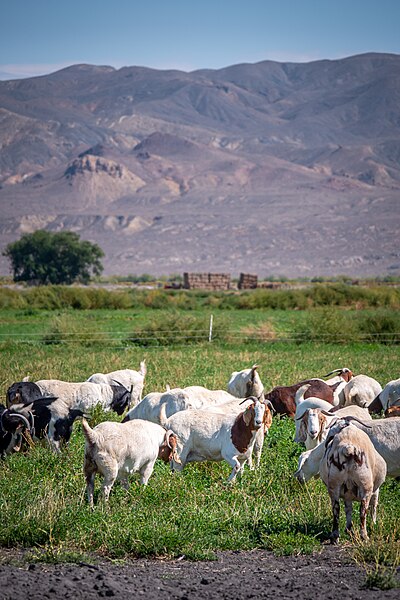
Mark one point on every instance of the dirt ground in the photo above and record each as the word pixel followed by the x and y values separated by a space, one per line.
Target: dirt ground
pixel 330 574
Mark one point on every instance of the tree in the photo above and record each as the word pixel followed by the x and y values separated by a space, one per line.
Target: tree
pixel 46 258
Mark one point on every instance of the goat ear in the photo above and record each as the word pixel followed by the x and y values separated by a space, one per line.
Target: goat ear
pixel 302 436
pixel 253 372
pixel 247 415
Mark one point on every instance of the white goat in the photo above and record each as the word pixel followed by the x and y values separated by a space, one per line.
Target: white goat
pixel 115 450
pixel 175 400
pixel 383 433
pixel 85 395
pixel 353 470
pixel 315 422
pixel 205 435
pixel 361 390
pixel 243 384
pixel 304 405
pixel 129 378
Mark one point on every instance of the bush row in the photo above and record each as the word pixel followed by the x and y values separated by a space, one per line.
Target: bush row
pixel 338 294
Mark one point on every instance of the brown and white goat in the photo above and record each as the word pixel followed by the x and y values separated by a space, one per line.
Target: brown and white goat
pixel 282 398
pixel 204 435
pixel 352 470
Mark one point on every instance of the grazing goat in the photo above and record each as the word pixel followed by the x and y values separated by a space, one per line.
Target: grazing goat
pixel 243 384
pixel 204 435
pixel 115 450
pixel 12 426
pixel 129 378
pixel 22 392
pixel 384 399
pixel 361 390
pixel 52 419
pixel 175 400
pixel 282 398
pixel 383 433
pixel 352 470
pixel 70 400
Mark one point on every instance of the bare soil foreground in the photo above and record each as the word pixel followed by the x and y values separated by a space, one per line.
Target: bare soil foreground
pixel 330 574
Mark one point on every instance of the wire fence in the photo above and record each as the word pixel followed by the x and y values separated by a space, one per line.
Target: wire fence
pixel 168 337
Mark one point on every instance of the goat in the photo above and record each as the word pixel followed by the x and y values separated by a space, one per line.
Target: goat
pixel 344 375
pixel 282 398
pixel 383 433
pixel 129 378
pixel 243 384
pixel 204 435
pixel 12 427
pixel 313 418
pixel 117 449
pixel 51 419
pixel 384 399
pixel 352 470
pixel 361 390
pixel 235 407
pixel 22 391
pixel 193 397
pixel 75 399
pixel 85 395
pixel 305 411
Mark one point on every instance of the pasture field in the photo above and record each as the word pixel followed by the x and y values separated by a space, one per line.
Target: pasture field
pixel 42 496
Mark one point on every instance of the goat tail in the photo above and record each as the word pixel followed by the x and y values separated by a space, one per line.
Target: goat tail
pixel 143 368
pixel 88 432
pixel 350 451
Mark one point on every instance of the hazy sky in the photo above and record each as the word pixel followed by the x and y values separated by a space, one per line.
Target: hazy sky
pixel 39 36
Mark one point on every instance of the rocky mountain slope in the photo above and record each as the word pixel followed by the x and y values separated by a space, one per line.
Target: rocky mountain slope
pixel 272 168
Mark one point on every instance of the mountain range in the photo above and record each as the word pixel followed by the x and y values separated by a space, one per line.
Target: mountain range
pixel 268 168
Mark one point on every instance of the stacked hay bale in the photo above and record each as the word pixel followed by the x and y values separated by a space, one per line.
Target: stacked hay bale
pixel 247 281
pixel 206 281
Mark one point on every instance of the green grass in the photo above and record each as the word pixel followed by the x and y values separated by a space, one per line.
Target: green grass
pixel 194 513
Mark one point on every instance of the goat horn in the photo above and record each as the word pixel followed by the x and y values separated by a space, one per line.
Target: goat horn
pixel 269 404
pixel 19 416
pixel 121 384
pixel 167 434
pixel 334 371
pixel 300 418
pixel 351 418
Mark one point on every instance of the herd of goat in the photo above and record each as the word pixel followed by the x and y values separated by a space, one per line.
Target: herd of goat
pixel 350 451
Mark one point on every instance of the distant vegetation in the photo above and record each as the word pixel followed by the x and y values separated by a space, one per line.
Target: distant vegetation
pixel 316 295
pixel 322 312
pixel 45 258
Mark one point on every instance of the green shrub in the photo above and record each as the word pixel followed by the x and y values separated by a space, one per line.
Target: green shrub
pixel 381 328
pixel 327 325
pixel 11 298
pixel 63 329
pixel 176 328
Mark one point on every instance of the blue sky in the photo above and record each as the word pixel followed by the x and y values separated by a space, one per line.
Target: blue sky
pixel 40 36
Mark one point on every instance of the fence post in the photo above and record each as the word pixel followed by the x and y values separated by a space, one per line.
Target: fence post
pixel 210 331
